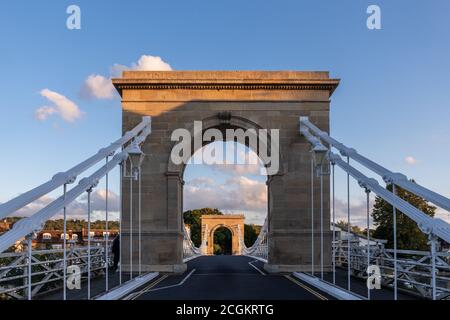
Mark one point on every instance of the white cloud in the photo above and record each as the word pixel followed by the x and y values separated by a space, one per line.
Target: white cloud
pixel 98 200
pixel 232 159
pixel 442 214
pixel 62 106
pixel 410 160
pixel 358 211
pixel 201 181
pixel 240 169
pixel 78 208
pixel 237 193
pixel 145 63
pixel 100 87
pixel 43 113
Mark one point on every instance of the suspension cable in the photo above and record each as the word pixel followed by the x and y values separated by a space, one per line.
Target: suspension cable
pixel 107 230
pixel 321 225
pixel 65 246
pixel 131 220
pixel 70 175
pixel 140 221
pixel 334 226
pixel 30 270
pixel 89 244
pixel 368 236
pixel 433 241
pixel 312 216
pixel 394 209
pixel 122 165
pixel 348 231
pixel 387 175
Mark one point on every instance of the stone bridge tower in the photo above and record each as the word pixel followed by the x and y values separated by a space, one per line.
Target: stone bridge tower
pixel 233 222
pixel 250 100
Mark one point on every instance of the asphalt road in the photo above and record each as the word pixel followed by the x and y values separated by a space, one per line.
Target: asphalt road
pixel 224 278
pixel 227 278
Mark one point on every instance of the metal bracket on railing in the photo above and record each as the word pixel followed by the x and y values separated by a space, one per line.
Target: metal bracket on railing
pixel 394 178
pixel 64 177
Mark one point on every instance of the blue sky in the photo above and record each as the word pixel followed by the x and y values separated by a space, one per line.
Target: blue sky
pixel 393 101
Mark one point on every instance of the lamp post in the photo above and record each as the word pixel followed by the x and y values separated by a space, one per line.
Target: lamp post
pixel 136 157
pixel 321 165
pixel 320 159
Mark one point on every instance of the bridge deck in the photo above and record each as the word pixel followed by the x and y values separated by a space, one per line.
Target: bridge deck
pixel 225 278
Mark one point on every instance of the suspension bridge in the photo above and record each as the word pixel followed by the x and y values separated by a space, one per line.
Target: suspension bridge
pixel 300 253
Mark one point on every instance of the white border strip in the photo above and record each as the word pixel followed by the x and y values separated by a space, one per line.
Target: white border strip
pixel 128 286
pixel 192 258
pixel 330 289
pixel 257 258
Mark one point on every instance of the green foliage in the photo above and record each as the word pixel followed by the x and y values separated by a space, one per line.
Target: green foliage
pixel 72 224
pixel 409 235
pixel 222 241
pixel 343 225
pixel 193 219
pixel 77 225
pixel 251 233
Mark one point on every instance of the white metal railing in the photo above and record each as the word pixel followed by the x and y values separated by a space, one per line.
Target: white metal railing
pixel 415 268
pixel 189 249
pixel 36 222
pixel 119 151
pixel 70 175
pixel 322 156
pixel 259 249
pixel 47 269
pixel 387 175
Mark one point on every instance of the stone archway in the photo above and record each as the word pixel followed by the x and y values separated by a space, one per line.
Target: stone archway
pixel 234 223
pixel 260 99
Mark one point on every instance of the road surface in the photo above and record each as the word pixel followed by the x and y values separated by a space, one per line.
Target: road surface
pixel 227 278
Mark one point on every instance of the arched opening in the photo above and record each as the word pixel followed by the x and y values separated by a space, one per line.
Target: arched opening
pixel 237 186
pixel 222 241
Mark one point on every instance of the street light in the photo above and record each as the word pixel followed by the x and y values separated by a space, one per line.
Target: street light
pixel 320 158
pixel 136 157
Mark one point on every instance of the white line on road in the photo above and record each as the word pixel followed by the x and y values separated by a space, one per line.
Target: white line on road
pixel 135 295
pixel 256 268
pixel 174 285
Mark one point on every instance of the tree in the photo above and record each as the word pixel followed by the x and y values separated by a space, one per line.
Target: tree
pixel 409 235
pixel 343 225
pixel 77 225
pixel 222 241
pixel 193 219
pixel 251 233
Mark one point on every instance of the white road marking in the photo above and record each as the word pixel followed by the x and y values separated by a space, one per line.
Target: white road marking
pixel 174 285
pixel 135 295
pixel 256 268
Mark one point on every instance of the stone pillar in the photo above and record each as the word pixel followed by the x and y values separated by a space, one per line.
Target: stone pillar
pixel 250 99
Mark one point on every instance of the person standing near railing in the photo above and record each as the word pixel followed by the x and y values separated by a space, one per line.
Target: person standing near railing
pixel 116 252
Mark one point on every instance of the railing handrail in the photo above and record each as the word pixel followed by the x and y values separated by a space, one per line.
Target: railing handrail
pixel 427 224
pixel 411 266
pixel 50 268
pixel 28 226
pixel 387 175
pixel 70 175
